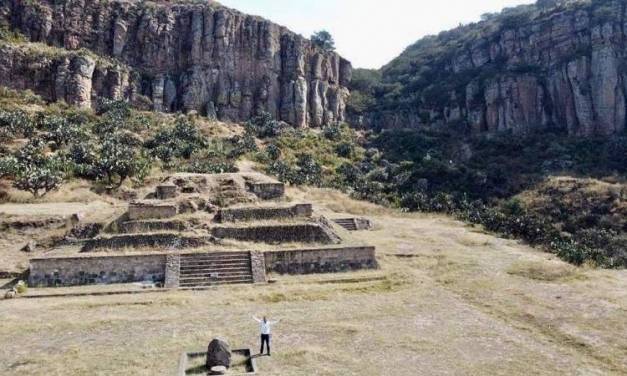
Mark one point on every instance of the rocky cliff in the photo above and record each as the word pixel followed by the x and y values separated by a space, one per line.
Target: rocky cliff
pixel 560 66
pixel 184 56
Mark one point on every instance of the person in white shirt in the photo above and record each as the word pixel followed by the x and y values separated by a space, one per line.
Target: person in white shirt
pixel 265 327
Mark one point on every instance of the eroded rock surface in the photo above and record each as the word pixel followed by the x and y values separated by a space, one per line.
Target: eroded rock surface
pixel 173 56
pixel 562 69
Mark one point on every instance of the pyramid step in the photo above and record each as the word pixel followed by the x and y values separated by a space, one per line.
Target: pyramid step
pixel 208 279
pixel 215 263
pixel 200 273
pixel 211 284
pixel 210 269
pixel 214 256
pixel 241 257
pixel 216 277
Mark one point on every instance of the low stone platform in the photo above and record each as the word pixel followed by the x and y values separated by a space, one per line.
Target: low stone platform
pixel 310 232
pixel 156 240
pixel 234 187
pixel 247 214
pixel 321 260
pixel 151 209
pixel 201 269
pixel 134 227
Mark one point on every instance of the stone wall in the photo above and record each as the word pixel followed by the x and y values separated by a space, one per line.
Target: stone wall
pixel 258 266
pixel 304 232
pixel 151 210
pixel 264 213
pixel 329 260
pixel 267 191
pixel 172 270
pixel 49 272
pixel 163 240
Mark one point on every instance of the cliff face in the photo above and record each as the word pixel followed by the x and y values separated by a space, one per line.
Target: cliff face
pixel 189 57
pixel 563 68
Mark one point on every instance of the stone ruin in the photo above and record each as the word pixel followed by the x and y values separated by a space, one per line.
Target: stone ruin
pixel 199 230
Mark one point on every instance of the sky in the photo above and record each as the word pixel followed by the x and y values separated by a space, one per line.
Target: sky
pixel 370 33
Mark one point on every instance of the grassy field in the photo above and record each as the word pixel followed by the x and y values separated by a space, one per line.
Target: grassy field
pixel 449 299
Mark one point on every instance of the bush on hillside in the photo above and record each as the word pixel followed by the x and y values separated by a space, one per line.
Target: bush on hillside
pixel 120 158
pixel 181 141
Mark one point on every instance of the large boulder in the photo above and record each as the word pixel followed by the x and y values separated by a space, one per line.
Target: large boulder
pixel 218 354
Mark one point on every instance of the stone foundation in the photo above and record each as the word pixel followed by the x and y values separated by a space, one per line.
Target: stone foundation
pixel 151 210
pixel 166 191
pixel 150 226
pixel 264 213
pixel 50 272
pixel 304 233
pixel 331 260
pixel 166 267
pixel 267 191
pixel 173 241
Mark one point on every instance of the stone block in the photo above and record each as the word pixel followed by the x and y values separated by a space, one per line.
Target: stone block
pixel 267 191
pixel 166 191
pixel 284 233
pixel 324 260
pixel 151 210
pixel 258 266
pixel 75 271
pixel 172 270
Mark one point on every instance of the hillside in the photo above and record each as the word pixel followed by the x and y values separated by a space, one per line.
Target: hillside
pixel 553 66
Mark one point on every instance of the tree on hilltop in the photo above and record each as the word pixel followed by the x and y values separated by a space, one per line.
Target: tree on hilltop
pixel 324 40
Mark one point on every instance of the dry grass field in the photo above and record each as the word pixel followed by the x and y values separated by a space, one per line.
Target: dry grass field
pixel 449 299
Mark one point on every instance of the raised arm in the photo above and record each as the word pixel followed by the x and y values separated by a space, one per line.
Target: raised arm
pixel 275 322
pixel 256 319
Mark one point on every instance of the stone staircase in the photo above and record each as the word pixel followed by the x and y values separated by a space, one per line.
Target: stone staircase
pixel 212 269
pixel 354 224
pixel 347 223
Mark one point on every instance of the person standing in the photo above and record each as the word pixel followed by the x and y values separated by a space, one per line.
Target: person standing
pixel 265 327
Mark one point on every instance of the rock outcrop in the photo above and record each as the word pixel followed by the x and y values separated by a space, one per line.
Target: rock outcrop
pixel 563 68
pixel 194 56
pixel 218 354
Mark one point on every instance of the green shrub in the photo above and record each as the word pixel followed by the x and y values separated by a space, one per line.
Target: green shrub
pixel 264 126
pixel 345 149
pixel 120 158
pixel 273 152
pixel 181 141
pixel 61 131
pixel 15 124
pixel 9 166
pixel 332 132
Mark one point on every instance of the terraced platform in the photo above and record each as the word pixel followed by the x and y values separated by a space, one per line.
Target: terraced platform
pixel 180 237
